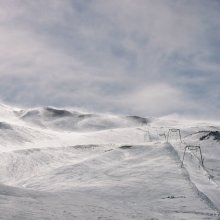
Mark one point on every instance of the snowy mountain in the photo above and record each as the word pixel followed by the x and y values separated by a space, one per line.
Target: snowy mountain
pixel 70 120
pixel 68 164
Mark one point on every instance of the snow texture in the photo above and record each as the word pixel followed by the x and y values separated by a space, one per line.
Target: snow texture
pixel 63 164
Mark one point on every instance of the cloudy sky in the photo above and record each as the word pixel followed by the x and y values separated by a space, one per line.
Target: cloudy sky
pixel 144 57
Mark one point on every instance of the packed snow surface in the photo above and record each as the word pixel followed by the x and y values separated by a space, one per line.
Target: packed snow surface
pixel 64 164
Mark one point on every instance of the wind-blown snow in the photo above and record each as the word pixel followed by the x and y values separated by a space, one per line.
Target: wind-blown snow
pixel 67 164
pixel 60 119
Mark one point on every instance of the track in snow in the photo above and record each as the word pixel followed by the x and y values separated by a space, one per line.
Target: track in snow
pixel 134 182
pixel 100 178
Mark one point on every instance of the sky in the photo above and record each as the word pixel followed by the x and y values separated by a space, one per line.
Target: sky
pixel 143 57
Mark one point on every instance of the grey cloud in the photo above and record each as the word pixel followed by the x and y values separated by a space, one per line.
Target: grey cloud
pixel 105 55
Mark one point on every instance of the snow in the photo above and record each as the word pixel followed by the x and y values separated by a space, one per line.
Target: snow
pixel 66 164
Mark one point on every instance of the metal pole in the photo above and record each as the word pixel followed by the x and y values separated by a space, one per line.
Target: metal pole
pixel 183 156
pixel 180 136
pixel 201 156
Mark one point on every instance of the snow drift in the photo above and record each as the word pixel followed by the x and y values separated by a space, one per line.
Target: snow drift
pixel 66 164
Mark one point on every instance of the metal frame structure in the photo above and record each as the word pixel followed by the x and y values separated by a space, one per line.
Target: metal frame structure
pixel 147 135
pixel 163 135
pixel 176 131
pixel 193 148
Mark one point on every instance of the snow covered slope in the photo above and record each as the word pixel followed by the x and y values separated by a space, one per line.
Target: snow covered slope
pixel 70 120
pixel 67 164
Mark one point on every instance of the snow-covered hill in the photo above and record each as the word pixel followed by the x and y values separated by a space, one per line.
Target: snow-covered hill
pixel 68 164
pixel 70 120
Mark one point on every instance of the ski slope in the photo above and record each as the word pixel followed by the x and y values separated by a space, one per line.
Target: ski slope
pixel 68 164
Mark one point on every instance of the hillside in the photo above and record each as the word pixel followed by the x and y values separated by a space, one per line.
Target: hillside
pixel 68 164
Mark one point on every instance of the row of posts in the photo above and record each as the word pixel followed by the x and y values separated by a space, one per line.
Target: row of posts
pixel 167 136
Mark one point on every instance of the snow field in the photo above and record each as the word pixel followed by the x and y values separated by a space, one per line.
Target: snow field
pixel 65 164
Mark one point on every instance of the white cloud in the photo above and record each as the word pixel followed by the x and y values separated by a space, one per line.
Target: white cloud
pixel 157 99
